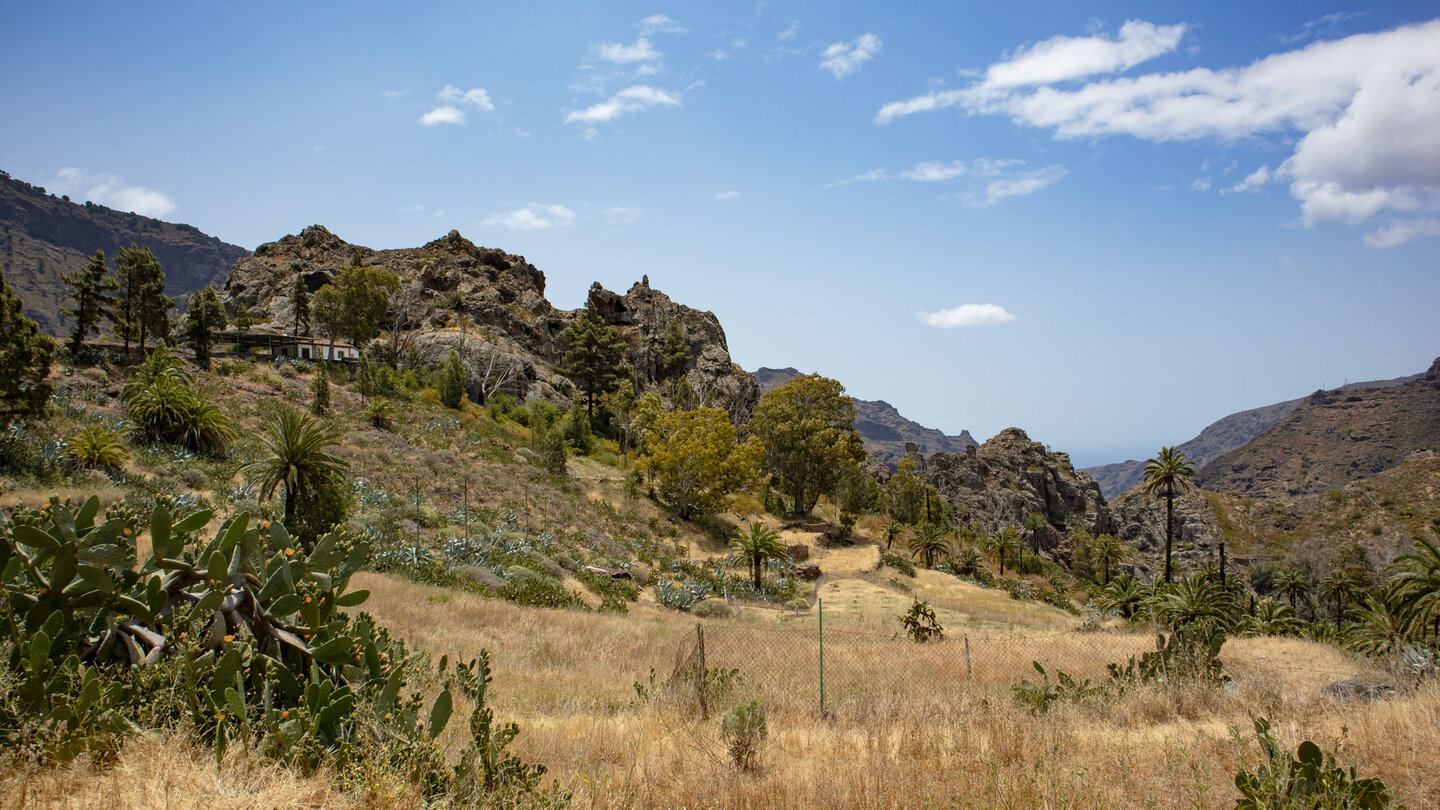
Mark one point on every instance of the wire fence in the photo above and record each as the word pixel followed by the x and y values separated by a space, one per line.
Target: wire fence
pixel 826 671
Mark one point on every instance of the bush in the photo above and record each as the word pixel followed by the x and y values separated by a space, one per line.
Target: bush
pixel 897 562
pixel 711 609
pixel 1311 779
pixel 920 624
pixel 744 730
pixel 539 591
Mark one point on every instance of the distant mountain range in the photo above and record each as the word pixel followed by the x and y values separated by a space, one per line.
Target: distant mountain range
pixel 882 428
pixel 1222 436
pixel 42 236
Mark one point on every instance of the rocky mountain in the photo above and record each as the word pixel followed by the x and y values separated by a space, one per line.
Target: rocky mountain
pixel 1332 439
pixel 43 236
pixel 490 307
pixel 884 431
pixel 1220 437
pixel 1009 477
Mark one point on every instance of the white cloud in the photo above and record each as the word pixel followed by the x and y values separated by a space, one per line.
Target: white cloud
pixel 533 217
pixel 1365 108
pixel 622 54
pixel 443 115
pixel 1021 184
pixel 844 58
pixel 112 191
pixel 1252 181
pixel 1402 231
pixel 1200 184
pixel 631 99
pixel 932 172
pixel 1063 58
pixel 728 196
pixel 790 31
pixel 967 315
pixel 659 23
pixel 476 97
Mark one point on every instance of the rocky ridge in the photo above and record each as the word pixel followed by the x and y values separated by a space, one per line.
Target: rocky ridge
pixel 490 307
pixel 43 236
pixel 883 429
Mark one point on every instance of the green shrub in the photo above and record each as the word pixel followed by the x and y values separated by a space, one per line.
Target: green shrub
pixel 744 730
pixel 711 609
pixel 97 446
pixel 540 591
pixel 1311 779
pixel 897 562
pixel 920 624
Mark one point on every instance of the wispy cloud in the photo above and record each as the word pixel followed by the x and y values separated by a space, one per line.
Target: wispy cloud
pixel 631 99
pixel 621 54
pixel 844 58
pixel 111 190
pixel 1020 184
pixel 443 115
pixel 728 196
pixel 533 217
pixel 1364 107
pixel 620 214
pixel 934 172
pixel 1252 182
pixel 967 315
pixel 790 31
pixel 983 181
pixel 393 93
pixel 451 111
pixel 659 24
pixel 1401 231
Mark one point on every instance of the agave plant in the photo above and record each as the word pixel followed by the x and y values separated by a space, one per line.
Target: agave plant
pixel 97 446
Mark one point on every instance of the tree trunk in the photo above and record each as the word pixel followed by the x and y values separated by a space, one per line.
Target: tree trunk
pixel 1169 526
pixel 755 568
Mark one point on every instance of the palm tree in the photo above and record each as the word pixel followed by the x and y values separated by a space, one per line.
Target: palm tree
pixel 1272 618
pixel 929 541
pixel 1124 596
pixel 1381 626
pixel 1196 598
pixel 758 545
pixel 1417 578
pixel 296 457
pixel 966 562
pixel 1164 473
pixel 1035 523
pixel 1340 585
pixel 1002 541
pixel 1107 551
pixel 1292 584
pixel 892 530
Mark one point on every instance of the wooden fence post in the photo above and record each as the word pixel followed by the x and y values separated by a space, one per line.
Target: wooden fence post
pixel 700 670
pixel 969 681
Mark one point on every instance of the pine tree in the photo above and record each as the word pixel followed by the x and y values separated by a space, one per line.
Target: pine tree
pixel 25 357
pixel 204 317
pixel 452 382
pixel 674 352
pixel 89 289
pixel 300 303
pixel 595 357
pixel 321 390
pixel 143 307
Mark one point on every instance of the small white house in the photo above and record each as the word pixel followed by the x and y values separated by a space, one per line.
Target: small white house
pixel 316 349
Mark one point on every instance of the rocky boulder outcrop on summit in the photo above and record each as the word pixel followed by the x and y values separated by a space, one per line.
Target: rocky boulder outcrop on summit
pixel 490 307
pixel 1009 477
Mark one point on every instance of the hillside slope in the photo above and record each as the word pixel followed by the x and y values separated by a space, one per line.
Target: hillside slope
pixel 883 429
pixel 43 236
pixel 1219 437
pixel 1332 439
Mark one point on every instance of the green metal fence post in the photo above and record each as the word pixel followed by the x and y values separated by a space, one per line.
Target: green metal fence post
pixel 820 610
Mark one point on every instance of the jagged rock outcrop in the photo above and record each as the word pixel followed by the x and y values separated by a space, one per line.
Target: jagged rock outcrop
pixel 1141 519
pixel 1332 439
pixel 882 428
pixel 43 236
pixel 1009 477
pixel 490 307
pixel 643 316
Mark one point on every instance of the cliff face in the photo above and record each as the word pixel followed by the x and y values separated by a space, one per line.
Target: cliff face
pixel 1010 477
pixel 883 429
pixel 490 307
pixel 43 236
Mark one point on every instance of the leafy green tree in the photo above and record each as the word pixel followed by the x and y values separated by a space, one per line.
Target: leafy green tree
pixel 353 305
pixel 595 356
pixel 806 428
pixel 622 410
pixel 297 457
pixel 575 427
pixel 452 382
pixel 144 308
pixel 89 289
pixel 320 390
pixel 756 546
pixel 300 305
pixel 1165 473
pixel 929 541
pixel 907 493
pixel 203 319
pixel 1106 552
pixel 695 459
pixel 25 360
pixel 673 355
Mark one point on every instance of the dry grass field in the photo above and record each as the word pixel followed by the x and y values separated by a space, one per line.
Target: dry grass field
pixel 905 725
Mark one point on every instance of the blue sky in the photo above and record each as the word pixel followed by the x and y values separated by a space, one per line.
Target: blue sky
pixel 1106 223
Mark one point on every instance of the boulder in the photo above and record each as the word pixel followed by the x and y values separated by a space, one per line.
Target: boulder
pixel 808 571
